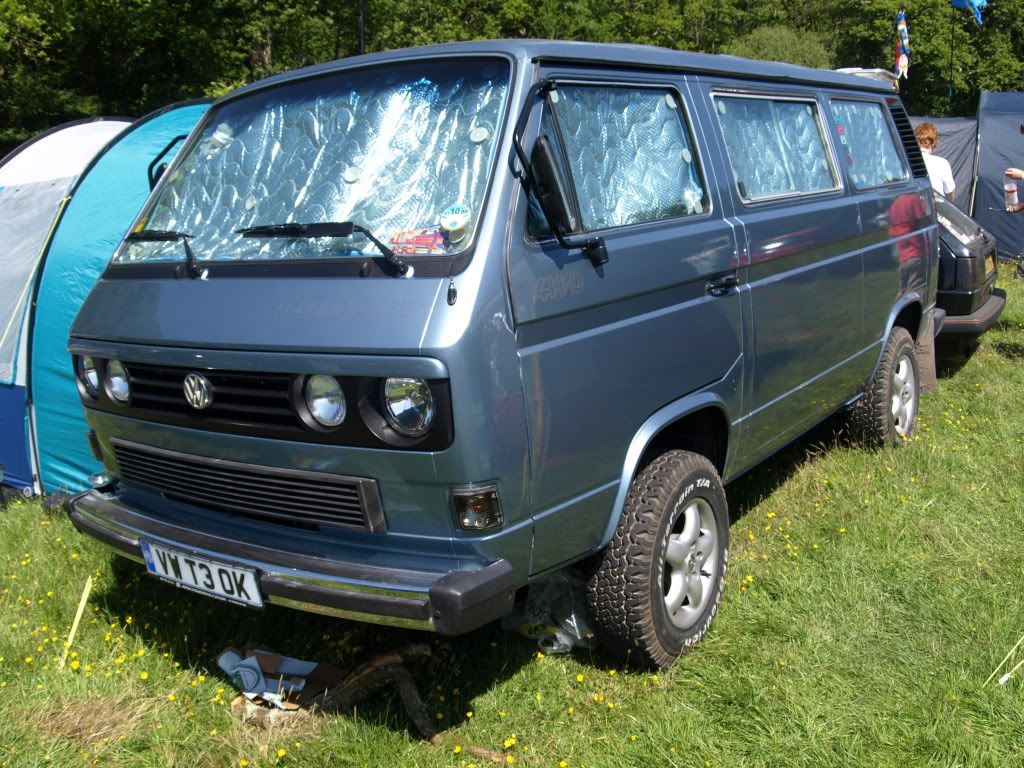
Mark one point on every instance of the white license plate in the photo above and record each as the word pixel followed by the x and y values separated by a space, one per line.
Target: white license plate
pixel 236 585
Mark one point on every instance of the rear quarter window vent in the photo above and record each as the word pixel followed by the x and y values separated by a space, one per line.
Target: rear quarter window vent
pixel 906 131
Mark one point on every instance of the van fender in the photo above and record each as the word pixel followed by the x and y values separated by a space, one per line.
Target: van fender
pixel 902 303
pixel 654 424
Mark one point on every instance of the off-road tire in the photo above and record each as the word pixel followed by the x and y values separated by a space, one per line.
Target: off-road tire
pixel 871 417
pixel 625 591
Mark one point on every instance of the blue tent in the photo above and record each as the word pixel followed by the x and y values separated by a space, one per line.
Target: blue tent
pixel 1001 146
pixel 35 180
pixel 103 205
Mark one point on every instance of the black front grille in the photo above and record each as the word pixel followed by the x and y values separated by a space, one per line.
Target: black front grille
pixel 238 396
pixel 290 497
pixel 270 405
pixel 906 131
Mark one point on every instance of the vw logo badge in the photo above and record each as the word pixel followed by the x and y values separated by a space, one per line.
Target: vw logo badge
pixel 198 391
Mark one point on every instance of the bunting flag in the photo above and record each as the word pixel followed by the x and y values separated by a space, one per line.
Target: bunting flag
pixel 901 48
pixel 974 6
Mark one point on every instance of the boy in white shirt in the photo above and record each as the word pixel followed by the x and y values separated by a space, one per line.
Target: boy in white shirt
pixel 939 172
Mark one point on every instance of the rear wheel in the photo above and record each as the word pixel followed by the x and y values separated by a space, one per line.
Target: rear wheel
pixel 887 413
pixel 658 583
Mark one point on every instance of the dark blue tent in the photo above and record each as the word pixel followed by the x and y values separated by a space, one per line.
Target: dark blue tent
pixel 1001 142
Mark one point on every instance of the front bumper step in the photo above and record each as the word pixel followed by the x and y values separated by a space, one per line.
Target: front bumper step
pixel 450 604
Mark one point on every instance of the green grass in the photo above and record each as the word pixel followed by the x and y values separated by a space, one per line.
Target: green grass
pixel 869 597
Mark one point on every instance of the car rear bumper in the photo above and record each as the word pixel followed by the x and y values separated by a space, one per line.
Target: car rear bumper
pixel 449 604
pixel 978 321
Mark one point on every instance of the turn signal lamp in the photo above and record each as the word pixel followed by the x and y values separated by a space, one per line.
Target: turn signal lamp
pixel 477 508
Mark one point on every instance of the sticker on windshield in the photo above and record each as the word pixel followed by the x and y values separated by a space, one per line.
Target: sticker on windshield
pixel 455 222
pixel 419 242
pixel 479 134
pixel 220 138
pixel 351 175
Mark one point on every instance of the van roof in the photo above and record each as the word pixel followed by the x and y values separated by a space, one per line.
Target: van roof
pixel 560 51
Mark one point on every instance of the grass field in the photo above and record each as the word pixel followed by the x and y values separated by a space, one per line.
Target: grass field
pixel 869 597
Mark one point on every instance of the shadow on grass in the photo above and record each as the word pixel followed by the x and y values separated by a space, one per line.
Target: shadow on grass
pixel 1011 350
pixel 195 629
pixel 759 483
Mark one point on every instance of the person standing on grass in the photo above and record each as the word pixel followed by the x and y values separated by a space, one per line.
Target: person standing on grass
pixel 939 172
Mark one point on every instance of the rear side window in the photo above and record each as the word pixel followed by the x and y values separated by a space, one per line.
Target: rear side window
pixel 628 152
pixel 776 146
pixel 868 144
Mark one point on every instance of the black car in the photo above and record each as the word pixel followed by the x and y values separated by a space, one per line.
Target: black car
pixel 967 279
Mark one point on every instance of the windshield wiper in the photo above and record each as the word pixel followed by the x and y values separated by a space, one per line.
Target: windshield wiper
pixel 324 229
pixel 169 236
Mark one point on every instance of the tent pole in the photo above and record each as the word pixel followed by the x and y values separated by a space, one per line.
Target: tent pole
pixel 952 30
pixel 977 160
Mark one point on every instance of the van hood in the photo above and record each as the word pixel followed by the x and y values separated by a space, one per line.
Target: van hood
pixel 307 314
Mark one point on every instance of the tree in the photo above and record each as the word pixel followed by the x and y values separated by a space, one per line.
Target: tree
pixel 779 43
pixel 35 95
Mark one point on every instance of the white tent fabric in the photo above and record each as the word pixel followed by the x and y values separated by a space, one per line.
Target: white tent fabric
pixel 34 180
pixel 60 153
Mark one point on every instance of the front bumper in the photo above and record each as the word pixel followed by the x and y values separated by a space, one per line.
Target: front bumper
pixel 978 321
pixel 450 604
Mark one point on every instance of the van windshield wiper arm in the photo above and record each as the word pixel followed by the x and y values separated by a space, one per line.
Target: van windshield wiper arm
pixel 324 229
pixel 169 236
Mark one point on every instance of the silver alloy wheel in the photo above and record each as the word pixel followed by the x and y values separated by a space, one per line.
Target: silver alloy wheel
pixel 904 396
pixel 691 560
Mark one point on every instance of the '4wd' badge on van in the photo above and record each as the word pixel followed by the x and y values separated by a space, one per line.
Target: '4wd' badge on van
pixel 198 391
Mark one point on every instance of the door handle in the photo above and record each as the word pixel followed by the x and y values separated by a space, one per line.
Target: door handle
pixel 723 284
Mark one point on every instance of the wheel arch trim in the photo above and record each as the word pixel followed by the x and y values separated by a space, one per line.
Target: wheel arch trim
pixel 645 435
pixel 901 304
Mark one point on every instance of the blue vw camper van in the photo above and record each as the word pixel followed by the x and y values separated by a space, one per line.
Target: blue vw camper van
pixel 396 336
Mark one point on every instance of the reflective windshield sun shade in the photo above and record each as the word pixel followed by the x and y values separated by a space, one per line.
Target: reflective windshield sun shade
pixel 404 150
pixel 630 155
pixel 867 143
pixel 775 146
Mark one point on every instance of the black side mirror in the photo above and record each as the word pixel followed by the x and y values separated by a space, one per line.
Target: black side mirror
pixel 541 175
pixel 157 173
pixel 156 168
pixel 550 187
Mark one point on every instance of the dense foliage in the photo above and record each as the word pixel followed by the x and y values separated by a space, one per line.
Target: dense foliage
pixel 61 59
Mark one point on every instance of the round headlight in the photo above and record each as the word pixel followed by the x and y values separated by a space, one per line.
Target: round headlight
pixel 89 376
pixel 117 382
pixel 408 406
pixel 325 400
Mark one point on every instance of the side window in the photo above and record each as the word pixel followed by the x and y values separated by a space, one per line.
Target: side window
pixel 628 152
pixel 776 146
pixel 867 143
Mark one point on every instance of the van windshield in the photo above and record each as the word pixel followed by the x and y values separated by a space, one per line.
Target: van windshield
pixel 403 150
